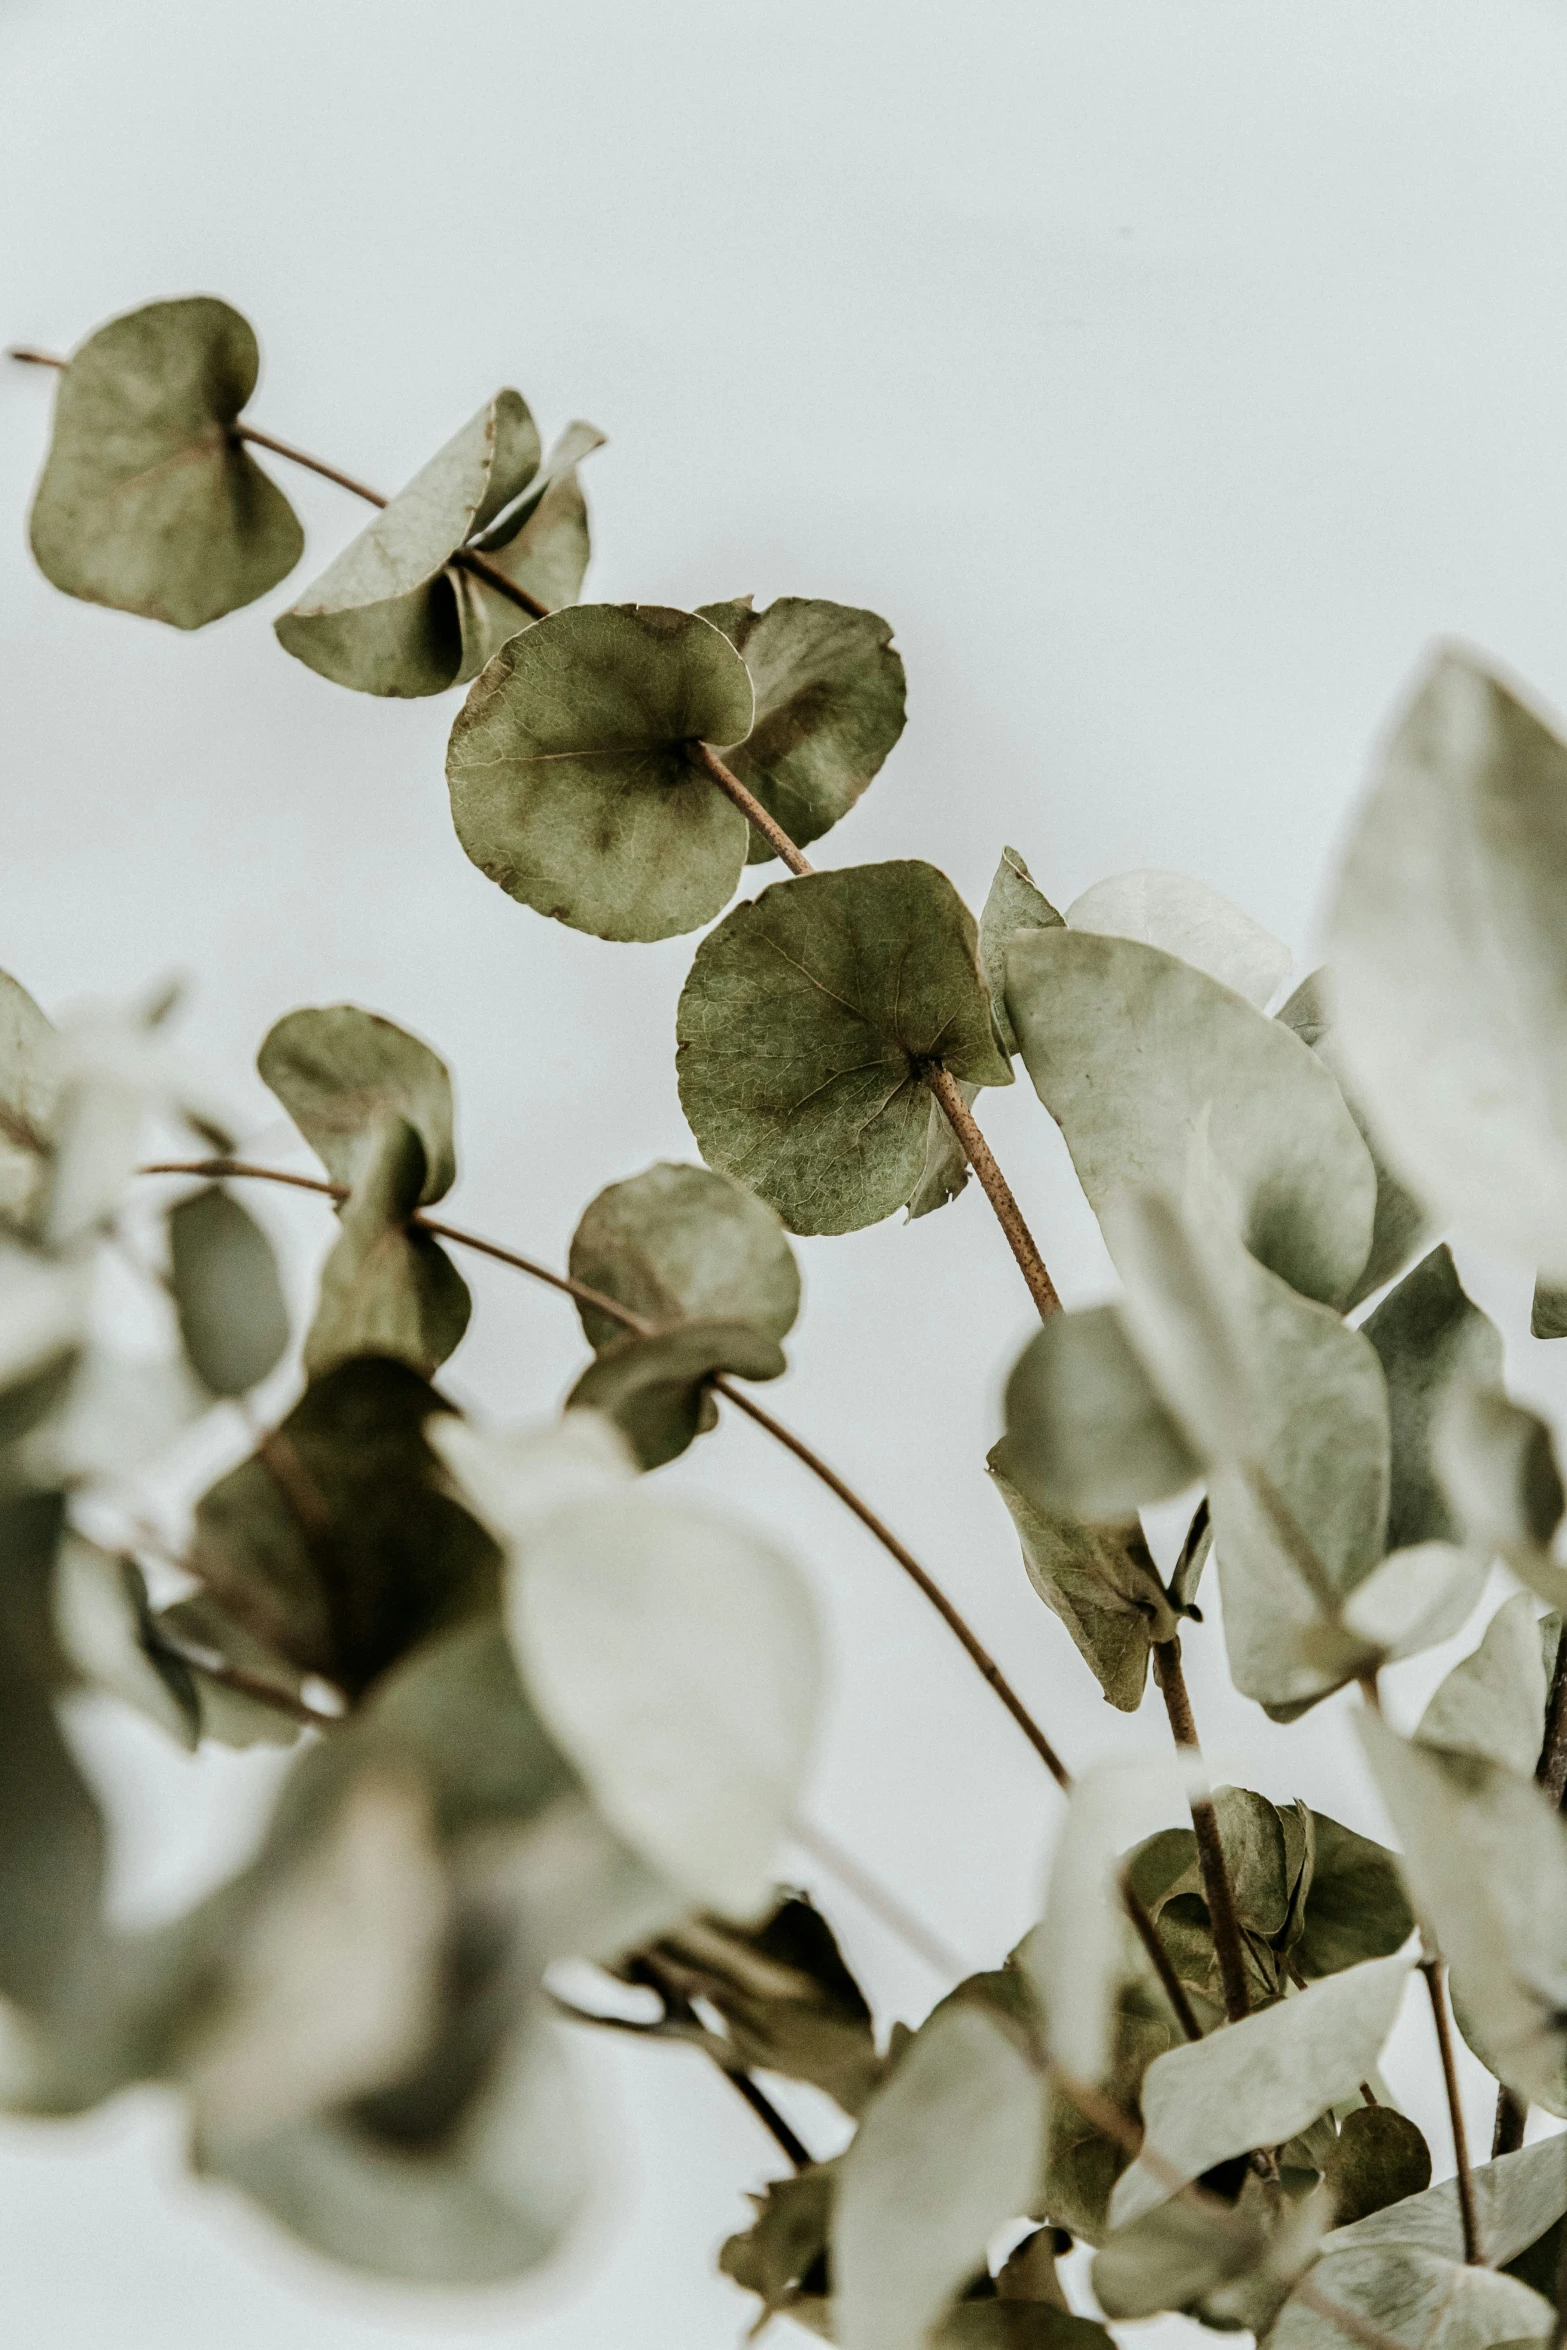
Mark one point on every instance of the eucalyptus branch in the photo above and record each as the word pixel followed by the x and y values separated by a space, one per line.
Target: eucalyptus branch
pixel 1217 1888
pixel 704 756
pixel 997 1190
pixel 1432 1970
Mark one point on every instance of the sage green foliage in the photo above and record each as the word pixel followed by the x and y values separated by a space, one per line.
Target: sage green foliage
pixel 1548 1311
pixel 805 1026
pixel 227 1294
pixel 1087 1430
pixel 339 1072
pixel 387 1288
pixel 29 1091
pixel 1492 1703
pixel 681 1242
pixel 541 543
pixel 1428 1336
pixel 829 708
pixel 655 1388
pixel 571 776
pixel 148 502
pixel 1379 2157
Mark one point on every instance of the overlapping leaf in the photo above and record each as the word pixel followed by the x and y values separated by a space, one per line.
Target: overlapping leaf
pixel 1100 1581
pixel 1492 1703
pixel 679 1243
pixel 388 1289
pixel 1188 919
pixel 656 1388
pixel 339 1071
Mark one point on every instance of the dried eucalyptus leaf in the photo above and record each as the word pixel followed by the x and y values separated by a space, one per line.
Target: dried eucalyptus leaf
pixel 336 1543
pixel 1088 1434
pixel 571 778
pixel 1548 1311
pixel 1428 1336
pixel 227 1293
pixel 542 544
pixel 1015 903
pixel 1412 1600
pixel 1485 1856
pixel 387 1288
pixel 1099 1580
pixel 804 1028
pixel 338 1071
pixel 29 1096
pixel 1412 2297
pixel 1517 2198
pixel 516 1479
pixel 1188 919
pixel 1450 968
pixel 1356 1907
pixel 782 2255
pixel 945 1171
pixel 1258 2082
pixel 656 1389
pixel 681 1242
pixel 1170 2256
pixel 1129 1048
pixel 676 1658
pixel 384 617
pixel 946 2152
pixel 148 502
pixel 1379 2157
pixel 829 708
pixel 106 1629
pixel 1497 1468
pixel 1493 1703
pixel 1186 1323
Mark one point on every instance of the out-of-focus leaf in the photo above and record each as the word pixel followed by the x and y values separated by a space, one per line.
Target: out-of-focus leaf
pixel 1410 1601
pixel 682 1243
pixel 1129 1048
pixel 805 1026
pixel 1401 1223
pixel 1188 919
pixel 1548 1311
pixel 516 1479
pixel 947 2151
pixel 148 502
pixel 336 1543
pixel 1485 1855
pixel 1493 1702
pixel 1168 2257
pixel 1497 1468
pixel 1450 961
pixel 571 777
pixel 1088 1433
pixel 1428 1336
pixel 198 1631
pixel 1379 2157
pixel 1258 2082
pixel 29 1093
pixel 829 708
pixel 1099 1580
pixel 1412 2297
pixel 387 1288
pixel 782 2255
pixel 339 1072
pixel 1185 1319
pixel 1015 903
pixel 226 1291
pixel 656 1389
pixel 385 617
pixel 106 1628
pixel 1517 2198
pixel 676 1658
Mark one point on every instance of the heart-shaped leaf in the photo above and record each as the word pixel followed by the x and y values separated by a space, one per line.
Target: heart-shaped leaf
pixel 338 1071
pixel 805 1025
pixel 571 777
pixel 148 501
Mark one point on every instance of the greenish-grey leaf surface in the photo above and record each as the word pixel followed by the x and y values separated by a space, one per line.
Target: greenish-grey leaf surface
pixel 1516 2199
pixel 1015 902
pixel 677 1243
pixel 542 544
pixel 1548 1311
pixel 1496 1464
pixel 1415 2298
pixel 1492 1703
pixel 1378 2157
pixel 227 1293
pixel 337 1070
pixel 946 2152
pixel 1129 1048
pixel 1099 1580
pixel 29 1094
pixel 656 1388
pixel 148 502
pixel 387 1288
pixel 1449 955
pixel 1088 1434
pixel 383 618
pixel 572 784
pixel 1428 1335
pixel 1188 919
pixel 805 1024
pixel 829 708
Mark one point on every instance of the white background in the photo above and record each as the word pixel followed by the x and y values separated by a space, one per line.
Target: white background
pixel 1169 374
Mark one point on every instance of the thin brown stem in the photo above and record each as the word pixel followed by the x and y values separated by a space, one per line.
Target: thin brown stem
pixel 997 1190
pixel 766 2112
pixel 1218 1891
pixel 704 756
pixel 344 481
pixel 31 358
pixel 1159 1959
pixel 470 559
pixel 1432 1970
pixel 226 1676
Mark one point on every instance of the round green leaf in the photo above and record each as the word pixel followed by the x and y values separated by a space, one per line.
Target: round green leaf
pixel 227 1294
pixel 338 1071
pixel 681 1242
pixel 655 1389
pixel 147 502
pixel 385 617
pixel 1378 2157
pixel 804 1028
pixel 570 771
pixel 1128 1047
pixel 829 708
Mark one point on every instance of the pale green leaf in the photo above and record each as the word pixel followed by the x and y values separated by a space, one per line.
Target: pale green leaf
pixel 1169 2257
pixel 1015 903
pixel 148 502
pixel 515 1479
pixel 1188 1287
pixel 1450 961
pixel 682 1242
pixel 1517 2198
pixel 656 1389
pixel 1493 1702
pixel 207 1642
pixel 1100 1581
pixel 676 1658
pixel 1355 1907
pixel 1258 2082
pixel 384 618
pixel 1129 1048
pixel 387 1288
pixel 29 1092
pixel 1497 1467
pixel 1088 1434
pixel 805 1026
pixel 946 2152
pixel 1428 1335
pixel 572 781
pixel 1415 2298
pixel 1188 919
pixel 337 1070
pixel 106 1629
pixel 227 1293
pixel 1548 1311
